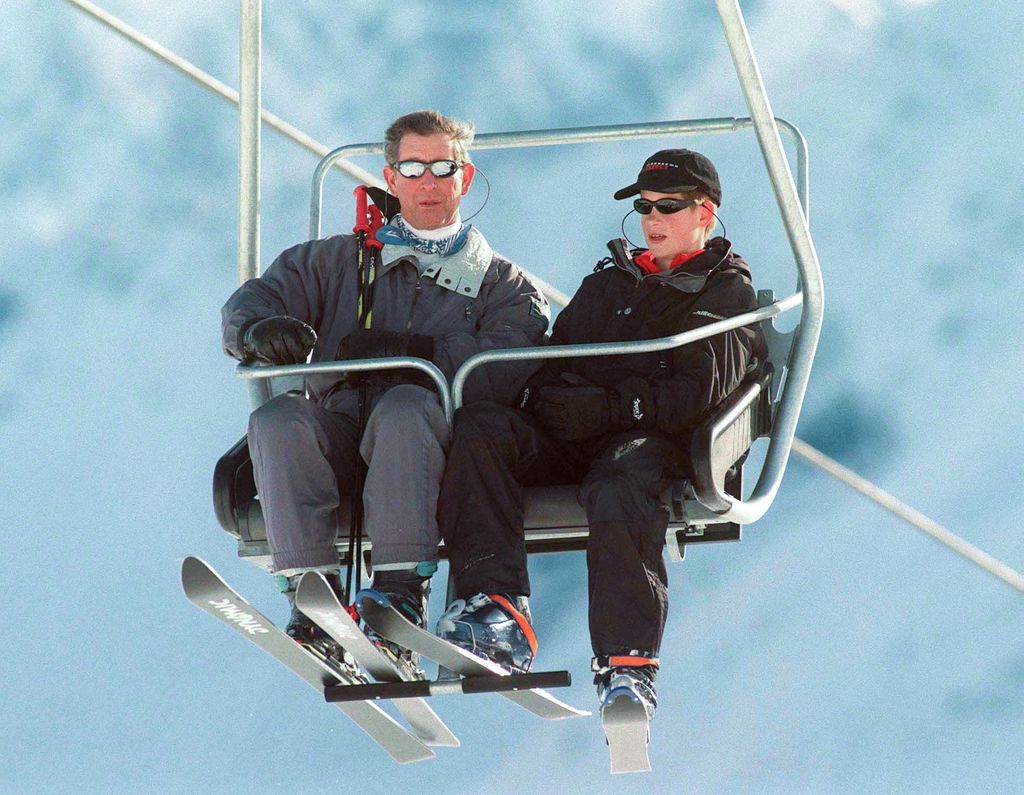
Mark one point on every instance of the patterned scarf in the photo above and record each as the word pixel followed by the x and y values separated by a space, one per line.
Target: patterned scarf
pixel 398 232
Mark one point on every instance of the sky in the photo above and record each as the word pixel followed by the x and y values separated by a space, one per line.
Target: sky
pixel 834 649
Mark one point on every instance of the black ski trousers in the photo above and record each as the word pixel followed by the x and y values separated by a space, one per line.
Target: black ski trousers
pixel 496 450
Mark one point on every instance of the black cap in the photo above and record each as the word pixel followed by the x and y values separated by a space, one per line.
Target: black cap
pixel 676 171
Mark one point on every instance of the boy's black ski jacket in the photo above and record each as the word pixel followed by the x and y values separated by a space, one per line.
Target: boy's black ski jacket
pixel 623 303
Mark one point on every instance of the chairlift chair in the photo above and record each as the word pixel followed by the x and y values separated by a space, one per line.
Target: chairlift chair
pixel 709 508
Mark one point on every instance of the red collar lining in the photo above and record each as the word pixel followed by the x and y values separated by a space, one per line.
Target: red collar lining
pixel 645 260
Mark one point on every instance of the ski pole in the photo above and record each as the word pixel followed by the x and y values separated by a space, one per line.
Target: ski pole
pixel 368 220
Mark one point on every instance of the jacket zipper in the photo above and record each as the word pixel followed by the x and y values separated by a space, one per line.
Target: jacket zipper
pixel 415 298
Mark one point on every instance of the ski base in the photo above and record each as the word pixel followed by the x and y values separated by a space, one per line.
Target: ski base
pixel 207 591
pixel 627 729
pixel 378 614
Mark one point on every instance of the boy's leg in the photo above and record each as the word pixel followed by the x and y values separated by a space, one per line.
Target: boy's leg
pixel 627 579
pixel 496 450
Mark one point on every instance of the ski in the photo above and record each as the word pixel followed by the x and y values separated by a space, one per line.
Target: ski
pixel 207 591
pixel 627 729
pixel 317 599
pixel 377 613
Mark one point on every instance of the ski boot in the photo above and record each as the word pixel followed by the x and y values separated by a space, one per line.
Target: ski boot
pixel 625 691
pixel 308 635
pixel 312 638
pixel 407 591
pixel 494 627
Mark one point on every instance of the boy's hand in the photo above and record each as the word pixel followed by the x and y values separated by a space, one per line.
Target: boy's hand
pixel 573 412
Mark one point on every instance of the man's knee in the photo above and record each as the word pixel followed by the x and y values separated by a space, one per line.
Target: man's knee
pixel 611 496
pixel 405 404
pixel 405 417
pixel 279 418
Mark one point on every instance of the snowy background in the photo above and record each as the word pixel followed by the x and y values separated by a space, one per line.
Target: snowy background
pixel 834 650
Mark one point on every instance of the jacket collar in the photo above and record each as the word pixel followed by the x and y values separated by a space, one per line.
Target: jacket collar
pixel 692 275
pixel 462 272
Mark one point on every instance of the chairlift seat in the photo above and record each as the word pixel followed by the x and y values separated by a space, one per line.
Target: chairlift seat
pixel 554 520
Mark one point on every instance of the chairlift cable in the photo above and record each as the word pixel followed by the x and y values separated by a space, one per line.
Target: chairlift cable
pixel 557 297
pixel 909 515
pixel 196 74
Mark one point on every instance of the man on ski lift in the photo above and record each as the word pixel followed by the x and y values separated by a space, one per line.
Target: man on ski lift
pixel 440 293
pixel 619 425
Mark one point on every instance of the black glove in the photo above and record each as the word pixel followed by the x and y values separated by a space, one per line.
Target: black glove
pixel 580 412
pixel 371 344
pixel 633 404
pixel 277 340
pixel 573 412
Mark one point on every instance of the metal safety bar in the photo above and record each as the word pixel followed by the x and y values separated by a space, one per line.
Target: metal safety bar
pixel 571 135
pixel 741 512
pixel 256 372
pixel 617 348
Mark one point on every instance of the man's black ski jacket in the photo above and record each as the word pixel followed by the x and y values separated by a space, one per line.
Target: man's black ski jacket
pixel 623 303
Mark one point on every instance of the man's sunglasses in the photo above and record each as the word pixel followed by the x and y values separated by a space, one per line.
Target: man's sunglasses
pixel 413 169
pixel 664 206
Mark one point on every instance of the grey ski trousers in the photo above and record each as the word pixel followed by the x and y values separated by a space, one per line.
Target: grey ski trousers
pixel 304 457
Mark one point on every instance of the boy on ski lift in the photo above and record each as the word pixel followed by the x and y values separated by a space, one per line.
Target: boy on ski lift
pixel 619 425
pixel 440 293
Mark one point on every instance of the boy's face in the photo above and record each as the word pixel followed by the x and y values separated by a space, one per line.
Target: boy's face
pixel 668 236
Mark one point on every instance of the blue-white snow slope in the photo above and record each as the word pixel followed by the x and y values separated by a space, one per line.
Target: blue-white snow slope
pixel 834 650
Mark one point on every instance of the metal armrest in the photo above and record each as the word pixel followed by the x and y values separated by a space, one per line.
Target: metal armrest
pixel 725 437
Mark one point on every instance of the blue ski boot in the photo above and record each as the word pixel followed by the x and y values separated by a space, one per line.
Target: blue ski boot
pixel 635 682
pixel 494 627
pixel 625 689
pixel 408 591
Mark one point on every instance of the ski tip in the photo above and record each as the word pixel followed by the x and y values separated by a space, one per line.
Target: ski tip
pixel 309 580
pixel 192 565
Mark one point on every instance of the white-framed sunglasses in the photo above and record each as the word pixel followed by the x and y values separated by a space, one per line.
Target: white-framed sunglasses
pixel 414 169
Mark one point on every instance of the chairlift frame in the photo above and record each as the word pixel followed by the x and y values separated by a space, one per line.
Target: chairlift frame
pixel 711 509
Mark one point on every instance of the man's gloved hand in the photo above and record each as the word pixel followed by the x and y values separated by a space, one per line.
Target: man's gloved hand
pixel 371 344
pixel 279 340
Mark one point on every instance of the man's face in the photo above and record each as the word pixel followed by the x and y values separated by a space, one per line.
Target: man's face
pixel 668 236
pixel 428 202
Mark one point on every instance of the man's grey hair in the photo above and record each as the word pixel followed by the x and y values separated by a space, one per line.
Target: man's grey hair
pixel 429 122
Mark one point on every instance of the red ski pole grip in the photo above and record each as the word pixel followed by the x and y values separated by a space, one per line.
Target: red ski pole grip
pixel 376 222
pixel 362 218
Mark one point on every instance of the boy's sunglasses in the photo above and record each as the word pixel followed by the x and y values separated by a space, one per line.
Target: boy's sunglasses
pixel 664 206
pixel 413 169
